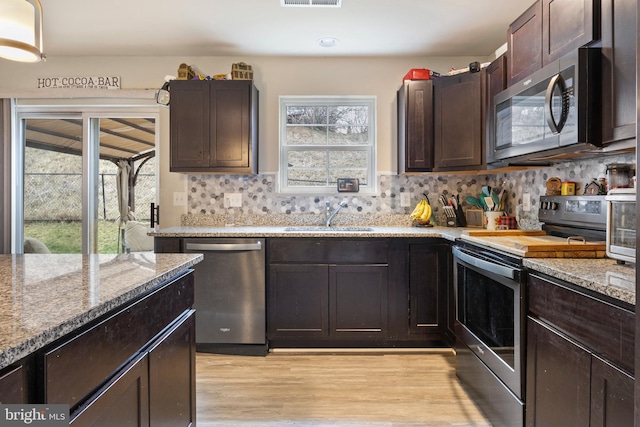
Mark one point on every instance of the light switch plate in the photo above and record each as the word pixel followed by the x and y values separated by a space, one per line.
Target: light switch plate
pixel 232 200
pixel 526 202
pixel 405 200
pixel 179 198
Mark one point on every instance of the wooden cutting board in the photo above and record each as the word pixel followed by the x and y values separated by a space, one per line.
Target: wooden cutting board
pixel 506 233
pixel 538 245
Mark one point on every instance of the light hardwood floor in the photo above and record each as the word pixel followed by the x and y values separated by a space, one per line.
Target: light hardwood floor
pixel 285 389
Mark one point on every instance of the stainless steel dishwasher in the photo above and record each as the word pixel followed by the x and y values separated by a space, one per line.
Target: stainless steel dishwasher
pixel 230 295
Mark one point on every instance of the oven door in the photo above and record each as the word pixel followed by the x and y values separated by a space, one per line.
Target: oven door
pixel 489 313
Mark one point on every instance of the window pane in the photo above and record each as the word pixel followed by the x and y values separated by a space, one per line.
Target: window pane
pixel 306 159
pixel 334 174
pixel 306 135
pixel 349 115
pixel 306 178
pixel 348 159
pixel 305 115
pixel 349 135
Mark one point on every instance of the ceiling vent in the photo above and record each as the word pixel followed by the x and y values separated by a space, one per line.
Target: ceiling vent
pixel 311 3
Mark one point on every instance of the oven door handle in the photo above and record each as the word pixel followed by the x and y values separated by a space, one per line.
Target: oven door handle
pixel 508 272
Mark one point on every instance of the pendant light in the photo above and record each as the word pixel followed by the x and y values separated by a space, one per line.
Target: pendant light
pixel 21 30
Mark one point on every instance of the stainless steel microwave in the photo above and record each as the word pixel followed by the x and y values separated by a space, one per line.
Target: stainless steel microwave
pixel 553 112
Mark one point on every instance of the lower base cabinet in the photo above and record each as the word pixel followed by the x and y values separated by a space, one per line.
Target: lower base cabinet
pixel 578 361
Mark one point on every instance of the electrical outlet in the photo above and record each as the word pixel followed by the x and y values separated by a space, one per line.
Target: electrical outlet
pixel 232 200
pixel 526 202
pixel 179 198
pixel 405 200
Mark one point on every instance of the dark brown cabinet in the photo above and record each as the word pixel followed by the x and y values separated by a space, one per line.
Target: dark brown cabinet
pixel 524 43
pixel 428 293
pixel 214 126
pixel 496 82
pixel 548 30
pixel 618 44
pixel 579 357
pixel 415 126
pixel 13 386
pixel 327 289
pixel 459 121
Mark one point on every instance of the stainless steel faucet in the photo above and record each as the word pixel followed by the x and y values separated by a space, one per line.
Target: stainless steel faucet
pixel 335 211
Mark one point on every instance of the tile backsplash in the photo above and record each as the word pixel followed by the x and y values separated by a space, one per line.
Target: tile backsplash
pixel 259 196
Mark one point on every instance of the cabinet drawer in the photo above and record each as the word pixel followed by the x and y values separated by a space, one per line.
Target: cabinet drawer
pixel 76 367
pixel 12 386
pixel 334 251
pixel 604 328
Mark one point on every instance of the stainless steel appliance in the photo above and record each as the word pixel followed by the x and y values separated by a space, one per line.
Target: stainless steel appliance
pixel 553 112
pixel 621 224
pixel 230 295
pixel 490 290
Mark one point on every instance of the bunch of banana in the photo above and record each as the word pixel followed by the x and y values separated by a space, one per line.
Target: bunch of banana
pixel 422 211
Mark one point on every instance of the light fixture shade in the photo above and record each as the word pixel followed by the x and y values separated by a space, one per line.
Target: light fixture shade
pixel 21 30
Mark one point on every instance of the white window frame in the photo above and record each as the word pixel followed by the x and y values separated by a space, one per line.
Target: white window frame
pixel 370 101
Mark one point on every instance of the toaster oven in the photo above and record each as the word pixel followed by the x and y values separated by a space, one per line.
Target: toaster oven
pixel 621 224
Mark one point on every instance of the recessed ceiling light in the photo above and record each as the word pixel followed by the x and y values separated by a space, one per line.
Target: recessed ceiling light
pixel 311 3
pixel 328 42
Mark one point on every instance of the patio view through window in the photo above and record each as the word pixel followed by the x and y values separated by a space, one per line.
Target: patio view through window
pixel 323 139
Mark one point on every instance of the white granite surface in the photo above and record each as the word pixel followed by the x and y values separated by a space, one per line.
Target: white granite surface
pixel 44 297
pixel 448 233
pixel 601 275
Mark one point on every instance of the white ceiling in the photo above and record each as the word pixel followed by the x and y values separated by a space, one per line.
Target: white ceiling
pixel 263 27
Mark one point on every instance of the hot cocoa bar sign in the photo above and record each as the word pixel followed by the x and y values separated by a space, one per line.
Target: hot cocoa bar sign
pixel 91 82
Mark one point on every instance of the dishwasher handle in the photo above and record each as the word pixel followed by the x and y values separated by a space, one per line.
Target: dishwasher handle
pixel 257 246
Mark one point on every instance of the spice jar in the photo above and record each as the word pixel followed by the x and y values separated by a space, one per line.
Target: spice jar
pixel 618 175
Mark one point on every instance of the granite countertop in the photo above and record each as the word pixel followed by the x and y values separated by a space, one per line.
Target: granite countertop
pixel 44 297
pixel 448 233
pixel 602 275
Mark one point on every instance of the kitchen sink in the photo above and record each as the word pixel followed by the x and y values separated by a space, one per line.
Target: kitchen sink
pixel 324 228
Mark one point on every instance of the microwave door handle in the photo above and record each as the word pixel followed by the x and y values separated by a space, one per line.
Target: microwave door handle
pixel 555 126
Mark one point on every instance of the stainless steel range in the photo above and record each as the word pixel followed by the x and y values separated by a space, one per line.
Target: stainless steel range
pixel 490 289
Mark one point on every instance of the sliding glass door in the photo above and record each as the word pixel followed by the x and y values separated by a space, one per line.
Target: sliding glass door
pixel 79 177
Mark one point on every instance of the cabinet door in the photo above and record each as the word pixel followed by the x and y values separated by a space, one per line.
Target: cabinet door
pixel 618 70
pixel 13 387
pixel 611 395
pixel 358 301
pixel 558 379
pixel 164 245
pixel 124 401
pixel 459 121
pixel 496 82
pixel 524 42
pixel 231 128
pixel 426 295
pixel 567 25
pixel 172 375
pixel 415 126
pixel 189 125
pixel 298 301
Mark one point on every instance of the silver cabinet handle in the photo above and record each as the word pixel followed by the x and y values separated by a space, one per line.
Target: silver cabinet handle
pixel 224 246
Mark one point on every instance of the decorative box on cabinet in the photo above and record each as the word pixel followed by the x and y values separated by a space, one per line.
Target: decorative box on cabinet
pixel 214 126
pixel 459 121
pixel 415 126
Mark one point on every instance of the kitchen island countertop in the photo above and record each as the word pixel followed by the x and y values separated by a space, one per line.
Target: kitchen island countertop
pixel 44 297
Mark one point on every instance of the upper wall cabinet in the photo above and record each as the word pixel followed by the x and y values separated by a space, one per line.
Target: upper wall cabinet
pixel 618 70
pixel 415 126
pixel 459 121
pixel 548 30
pixel 214 126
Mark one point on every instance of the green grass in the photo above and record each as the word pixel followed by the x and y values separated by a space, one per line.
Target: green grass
pixel 64 237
